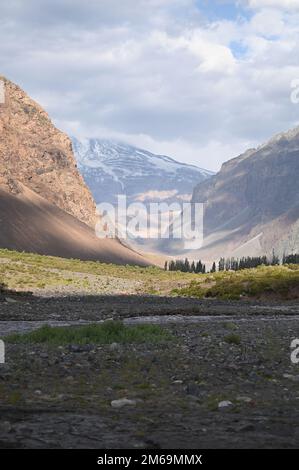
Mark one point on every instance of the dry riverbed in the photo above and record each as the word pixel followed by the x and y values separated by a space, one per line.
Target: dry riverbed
pixel 225 379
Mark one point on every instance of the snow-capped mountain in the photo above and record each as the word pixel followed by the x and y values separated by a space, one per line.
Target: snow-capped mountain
pixel 110 168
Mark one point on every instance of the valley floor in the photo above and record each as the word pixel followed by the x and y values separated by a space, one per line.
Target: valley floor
pixel 221 351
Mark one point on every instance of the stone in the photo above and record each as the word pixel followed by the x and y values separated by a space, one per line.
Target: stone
pixel 5 427
pixel 77 348
pixel 123 402
pixel 44 355
pixel 246 428
pixel 69 378
pixel 10 300
pixel 244 399
pixel 74 348
pixel 193 390
pixel 225 404
pixel 294 378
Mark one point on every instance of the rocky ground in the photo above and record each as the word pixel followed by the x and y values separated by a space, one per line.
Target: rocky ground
pixel 226 380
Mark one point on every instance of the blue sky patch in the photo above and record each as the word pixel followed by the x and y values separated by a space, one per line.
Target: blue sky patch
pixel 222 9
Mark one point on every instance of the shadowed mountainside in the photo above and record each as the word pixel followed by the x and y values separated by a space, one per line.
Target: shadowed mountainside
pixel 45 206
pixel 252 204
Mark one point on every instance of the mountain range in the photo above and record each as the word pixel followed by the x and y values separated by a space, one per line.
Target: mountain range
pixel 110 168
pixel 251 206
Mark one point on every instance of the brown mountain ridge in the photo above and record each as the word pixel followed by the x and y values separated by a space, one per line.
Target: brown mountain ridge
pixel 45 206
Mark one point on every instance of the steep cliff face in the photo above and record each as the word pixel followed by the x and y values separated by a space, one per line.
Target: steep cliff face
pixel 45 206
pixel 35 153
pixel 252 204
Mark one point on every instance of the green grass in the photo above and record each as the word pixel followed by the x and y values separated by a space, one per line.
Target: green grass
pixel 230 326
pixel 106 333
pixel 275 281
pixel 34 263
pixel 30 272
pixel 233 339
pixel 27 271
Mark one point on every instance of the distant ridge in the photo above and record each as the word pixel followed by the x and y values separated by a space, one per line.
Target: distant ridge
pixel 110 168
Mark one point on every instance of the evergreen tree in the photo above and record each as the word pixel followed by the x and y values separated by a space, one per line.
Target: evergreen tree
pixel 221 264
pixel 275 259
pixel 186 266
pixel 213 269
pixel 192 268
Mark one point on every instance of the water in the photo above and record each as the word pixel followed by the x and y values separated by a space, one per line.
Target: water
pixel 9 327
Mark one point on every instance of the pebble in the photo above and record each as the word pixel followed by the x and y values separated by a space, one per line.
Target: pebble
pixel 224 404
pixel 5 427
pixel 246 428
pixel 44 355
pixel 194 390
pixel 294 378
pixel 69 378
pixel 10 300
pixel 244 399
pixel 123 402
pixel 76 348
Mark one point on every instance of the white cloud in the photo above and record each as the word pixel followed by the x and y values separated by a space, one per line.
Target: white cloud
pixel 156 73
pixel 209 55
pixel 282 4
pixel 268 22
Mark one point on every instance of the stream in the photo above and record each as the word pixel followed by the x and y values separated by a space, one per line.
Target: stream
pixel 10 327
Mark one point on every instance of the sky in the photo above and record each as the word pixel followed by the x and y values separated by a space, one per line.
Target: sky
pixel 198 80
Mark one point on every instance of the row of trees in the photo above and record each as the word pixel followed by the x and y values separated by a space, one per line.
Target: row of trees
pixel 229 264
pixel 233 264
pixel 185 266
pixel 290 259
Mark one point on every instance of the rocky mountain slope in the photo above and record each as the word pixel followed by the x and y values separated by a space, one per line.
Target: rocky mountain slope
pixel 110 168
pixel 252 204
pixel 45 206
pixel 34 152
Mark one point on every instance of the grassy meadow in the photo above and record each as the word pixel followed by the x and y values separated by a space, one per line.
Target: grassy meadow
pixel 23 272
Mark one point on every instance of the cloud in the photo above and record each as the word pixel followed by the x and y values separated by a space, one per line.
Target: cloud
pixel 156 73
pixel 281 4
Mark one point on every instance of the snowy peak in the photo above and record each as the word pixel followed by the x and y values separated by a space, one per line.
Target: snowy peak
pixel 94 153
pixel 111 168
